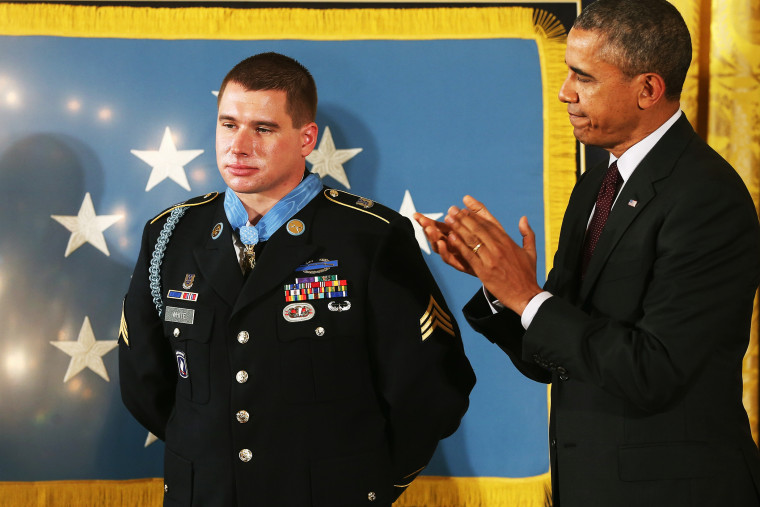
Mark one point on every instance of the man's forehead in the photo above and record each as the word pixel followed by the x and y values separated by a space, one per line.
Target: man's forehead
pixel 238 93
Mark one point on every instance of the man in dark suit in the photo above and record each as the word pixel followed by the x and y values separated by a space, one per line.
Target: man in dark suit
pixel 645 316
pixel 287 341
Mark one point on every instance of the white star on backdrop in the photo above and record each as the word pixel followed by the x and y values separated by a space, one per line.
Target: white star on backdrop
pixel 327 161
pixel 167 162
pixel 86 227
pixel 408 210
pixel 86 352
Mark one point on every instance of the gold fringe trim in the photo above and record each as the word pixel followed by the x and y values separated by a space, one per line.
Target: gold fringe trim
pixel 425 491
pixel 429 491
pixel 138 492
pixel 559 143
pixel 266 24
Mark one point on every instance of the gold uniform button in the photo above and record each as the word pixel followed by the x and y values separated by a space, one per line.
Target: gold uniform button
pixel 245 455
pixel 320 331
pixel 371 496
pixel 176 332
pixel 166 488
pixel 243 337
pixel 242 416
pixel 242 377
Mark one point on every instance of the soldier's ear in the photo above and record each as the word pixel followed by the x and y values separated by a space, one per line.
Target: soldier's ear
pixel 308 138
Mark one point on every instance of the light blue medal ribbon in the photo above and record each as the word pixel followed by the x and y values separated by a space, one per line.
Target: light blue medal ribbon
pixel 280 213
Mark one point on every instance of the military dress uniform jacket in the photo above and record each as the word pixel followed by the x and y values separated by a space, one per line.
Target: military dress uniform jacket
pixel 265 399
pixel 644 354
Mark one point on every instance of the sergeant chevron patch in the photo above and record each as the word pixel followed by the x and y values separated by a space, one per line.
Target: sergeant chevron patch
pixel 434 317
pixel 123 333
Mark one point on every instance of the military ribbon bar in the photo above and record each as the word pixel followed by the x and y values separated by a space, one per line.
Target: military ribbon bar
pixel 180 294
pixel 316 287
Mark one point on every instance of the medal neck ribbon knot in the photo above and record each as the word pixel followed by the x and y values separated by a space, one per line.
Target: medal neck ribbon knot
pixel 280 213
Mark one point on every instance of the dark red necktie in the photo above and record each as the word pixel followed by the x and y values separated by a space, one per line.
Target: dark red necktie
pixel 604 199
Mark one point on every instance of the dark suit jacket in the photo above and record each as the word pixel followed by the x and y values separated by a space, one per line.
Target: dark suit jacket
pixel 343 408
pixel 644 355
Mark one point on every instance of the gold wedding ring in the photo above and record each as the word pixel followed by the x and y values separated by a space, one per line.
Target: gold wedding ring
pixel 476 248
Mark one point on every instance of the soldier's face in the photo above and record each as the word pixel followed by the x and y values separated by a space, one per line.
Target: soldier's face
pixel 258 149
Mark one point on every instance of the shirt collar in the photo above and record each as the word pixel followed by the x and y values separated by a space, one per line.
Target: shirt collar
pixel 633 156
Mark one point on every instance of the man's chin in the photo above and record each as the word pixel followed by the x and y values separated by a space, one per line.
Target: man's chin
pixel 242 185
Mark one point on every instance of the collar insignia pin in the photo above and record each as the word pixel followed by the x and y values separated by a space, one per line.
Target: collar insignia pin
pixel 296 227
pixel 217 230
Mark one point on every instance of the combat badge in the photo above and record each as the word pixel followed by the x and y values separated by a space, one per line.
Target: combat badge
pixel 298 312
pixel 314 267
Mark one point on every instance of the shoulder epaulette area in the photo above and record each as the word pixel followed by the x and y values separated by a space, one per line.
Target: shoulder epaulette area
pixel 361 204
pixel 195 201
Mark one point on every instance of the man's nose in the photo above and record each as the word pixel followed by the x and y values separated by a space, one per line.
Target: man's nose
pixel 242 143
pixel 566 91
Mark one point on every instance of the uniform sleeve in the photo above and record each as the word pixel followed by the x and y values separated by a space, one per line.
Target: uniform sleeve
pixel 692 312
pixel 420 366
pixel 147 371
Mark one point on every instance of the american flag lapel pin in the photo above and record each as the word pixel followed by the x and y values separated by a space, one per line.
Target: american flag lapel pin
pixel 632 203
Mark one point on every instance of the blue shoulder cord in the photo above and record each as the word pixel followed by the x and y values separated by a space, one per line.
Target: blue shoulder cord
pixel 158 256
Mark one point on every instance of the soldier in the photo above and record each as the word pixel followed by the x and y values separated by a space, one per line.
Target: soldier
pixel 286 340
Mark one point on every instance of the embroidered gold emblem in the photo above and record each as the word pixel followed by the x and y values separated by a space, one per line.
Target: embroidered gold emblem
pixel 123 333
pixel 434 317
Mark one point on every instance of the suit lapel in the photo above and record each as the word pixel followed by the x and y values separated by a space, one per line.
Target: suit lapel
pixel 282 254
pixel 217 260
pixel 634 197
pixel 578 213
pixel 637 193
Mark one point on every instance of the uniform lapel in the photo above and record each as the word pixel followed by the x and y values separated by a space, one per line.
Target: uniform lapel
pixel 637 193
pixel 217 260
pixel 282 254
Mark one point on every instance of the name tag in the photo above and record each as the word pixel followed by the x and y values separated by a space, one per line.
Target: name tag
pixel 181 315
